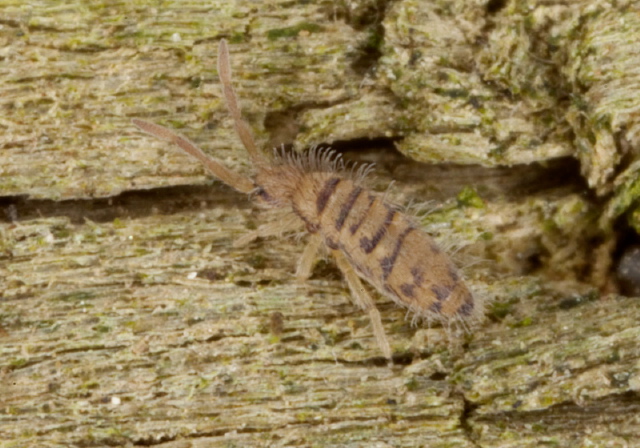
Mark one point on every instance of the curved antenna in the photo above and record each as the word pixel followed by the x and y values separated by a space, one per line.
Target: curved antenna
pixel 235 180
pixel 242 128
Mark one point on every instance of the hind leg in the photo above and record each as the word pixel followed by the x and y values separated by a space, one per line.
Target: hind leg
pixel 364 300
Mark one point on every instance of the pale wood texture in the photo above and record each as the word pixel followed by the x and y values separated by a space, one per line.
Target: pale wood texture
pixel 131 319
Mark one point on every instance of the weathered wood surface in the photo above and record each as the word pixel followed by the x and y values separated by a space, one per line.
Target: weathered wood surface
pixel 130 320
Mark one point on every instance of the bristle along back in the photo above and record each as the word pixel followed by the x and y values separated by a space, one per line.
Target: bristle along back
pixel 323 160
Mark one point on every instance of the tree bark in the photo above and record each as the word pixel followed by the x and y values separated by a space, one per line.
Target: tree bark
pixel 128 318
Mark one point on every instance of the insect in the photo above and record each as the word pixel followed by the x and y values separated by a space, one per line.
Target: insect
pixel 369 238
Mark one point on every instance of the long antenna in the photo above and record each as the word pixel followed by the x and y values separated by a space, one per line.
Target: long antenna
pixel 242 128
pixel 235 180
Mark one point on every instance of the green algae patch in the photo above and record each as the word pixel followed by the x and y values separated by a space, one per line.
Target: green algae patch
pixel 469 197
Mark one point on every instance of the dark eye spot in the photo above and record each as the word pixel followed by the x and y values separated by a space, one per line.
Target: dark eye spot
pixel 264 195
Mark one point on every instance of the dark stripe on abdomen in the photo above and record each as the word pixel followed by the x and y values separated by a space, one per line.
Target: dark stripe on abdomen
pixel 387 263
pixel 368 244
pixel 325 194
pixel 354 228
pixel 346 207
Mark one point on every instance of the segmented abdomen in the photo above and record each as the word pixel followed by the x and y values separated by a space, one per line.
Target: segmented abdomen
pixel 384 246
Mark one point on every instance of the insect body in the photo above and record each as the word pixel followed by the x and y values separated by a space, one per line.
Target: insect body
pixel 369 238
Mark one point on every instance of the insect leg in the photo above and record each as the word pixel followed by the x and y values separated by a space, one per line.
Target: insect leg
pixel 235 180
pixel 308 257
pixel 365 301
pixel 269 229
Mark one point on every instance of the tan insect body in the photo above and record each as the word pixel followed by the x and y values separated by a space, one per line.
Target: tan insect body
pixel 369 238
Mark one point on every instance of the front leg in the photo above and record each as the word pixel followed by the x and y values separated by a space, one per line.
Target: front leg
pixel 308 257
pixel 365 301
pixel 274 228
